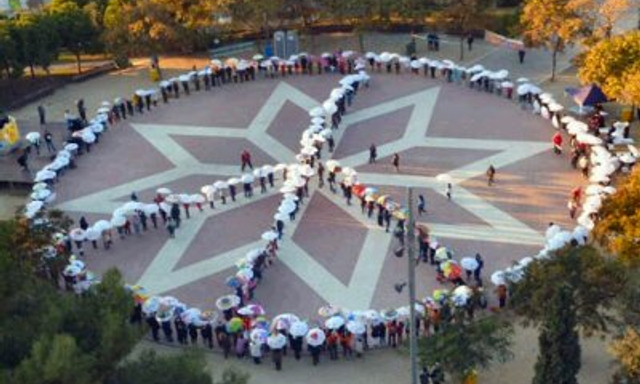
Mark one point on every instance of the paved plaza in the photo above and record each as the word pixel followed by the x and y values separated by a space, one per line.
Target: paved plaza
pixel 332 253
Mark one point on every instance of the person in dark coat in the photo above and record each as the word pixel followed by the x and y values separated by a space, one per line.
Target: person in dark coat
pixel 155 327
pixel 193 333
pixel 276 355
pixel 175 214
pixel 207 335
pixel 167 330
pixel 181 330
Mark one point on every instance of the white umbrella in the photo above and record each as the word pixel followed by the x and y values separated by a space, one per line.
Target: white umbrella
pixel 276 341
pixel 102 225
pixel 286 208
pixel 197 198
pixel 118 221
pixel 281 217
pixel 316 112
pixel 298 329
pixel 247 178
pixel 92 234
pixel 34 206
pixel 44 175
pixel 150 209
pixel 32 137
pixel 287 189
pixel 233 181
pixel 498 278
pixel 71 147
pixel 315 337
pixel 77 234
pixel 330 107
pixel 270 235
pixel 132 206
pixel 185 199
pixel 334 322
pixel 220 185
pixel 41 194
pixel 163 191
pixel 469 263
pixel 356 327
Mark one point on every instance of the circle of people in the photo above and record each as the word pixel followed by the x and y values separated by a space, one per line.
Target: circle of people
pixel 242 326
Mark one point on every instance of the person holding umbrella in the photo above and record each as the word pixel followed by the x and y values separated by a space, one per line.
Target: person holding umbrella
pixel 478 271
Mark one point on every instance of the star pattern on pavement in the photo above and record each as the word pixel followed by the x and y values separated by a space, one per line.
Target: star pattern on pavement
pixel 161 274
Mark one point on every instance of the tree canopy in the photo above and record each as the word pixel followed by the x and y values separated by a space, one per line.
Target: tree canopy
pixel 462 346
pixel 553 24
pixel 614 64
pixel 597 283
pixel 559 356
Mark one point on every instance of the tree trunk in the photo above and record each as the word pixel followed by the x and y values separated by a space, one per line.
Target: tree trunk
pixel 554 57
pixel 360 39
pixel 461 47
pixel 33 73
pixel 79 62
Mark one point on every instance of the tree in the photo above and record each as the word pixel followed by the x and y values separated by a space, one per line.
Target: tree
pixel 597 282
pixel 36 40
pixel 600 17
pixel 233 376
pixel 77 32
pixel 614 65
pixel 559 356
pixel 11 65
pixel 462 17
pixel 55 360
pixel 150 368
pixel 553 24
pixel 627 350
pixel 463 346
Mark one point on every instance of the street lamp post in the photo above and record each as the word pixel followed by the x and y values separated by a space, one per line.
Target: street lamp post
pixel 411 240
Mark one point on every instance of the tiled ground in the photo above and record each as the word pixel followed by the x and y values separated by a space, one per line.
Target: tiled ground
pixel 197 140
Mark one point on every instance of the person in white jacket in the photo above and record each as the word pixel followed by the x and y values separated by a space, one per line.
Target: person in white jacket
pixel 255 349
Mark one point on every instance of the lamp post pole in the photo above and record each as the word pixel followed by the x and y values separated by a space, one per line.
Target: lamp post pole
pixel 411 241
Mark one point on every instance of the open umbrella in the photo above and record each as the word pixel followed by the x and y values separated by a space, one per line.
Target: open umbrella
pixel 315 337
pixel 270 235
pixel 252 310
pixel 277 341
pixel 334 322
pixel 356 327
pixel 498 278
pixel 389 314
pixel 469 263
pixel 298 329
pixel 32 137
pixel 259 335
pixel 227 302
pixel 44 175
pixel 151 305
pixel 235 325
pixel 77 234
pixel 442 254
pixel 328 310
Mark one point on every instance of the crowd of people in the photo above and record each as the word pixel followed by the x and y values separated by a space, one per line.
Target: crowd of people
pixel 241 327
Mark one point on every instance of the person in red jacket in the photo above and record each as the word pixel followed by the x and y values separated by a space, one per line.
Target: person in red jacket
pixel 245 158
pixel 557 143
